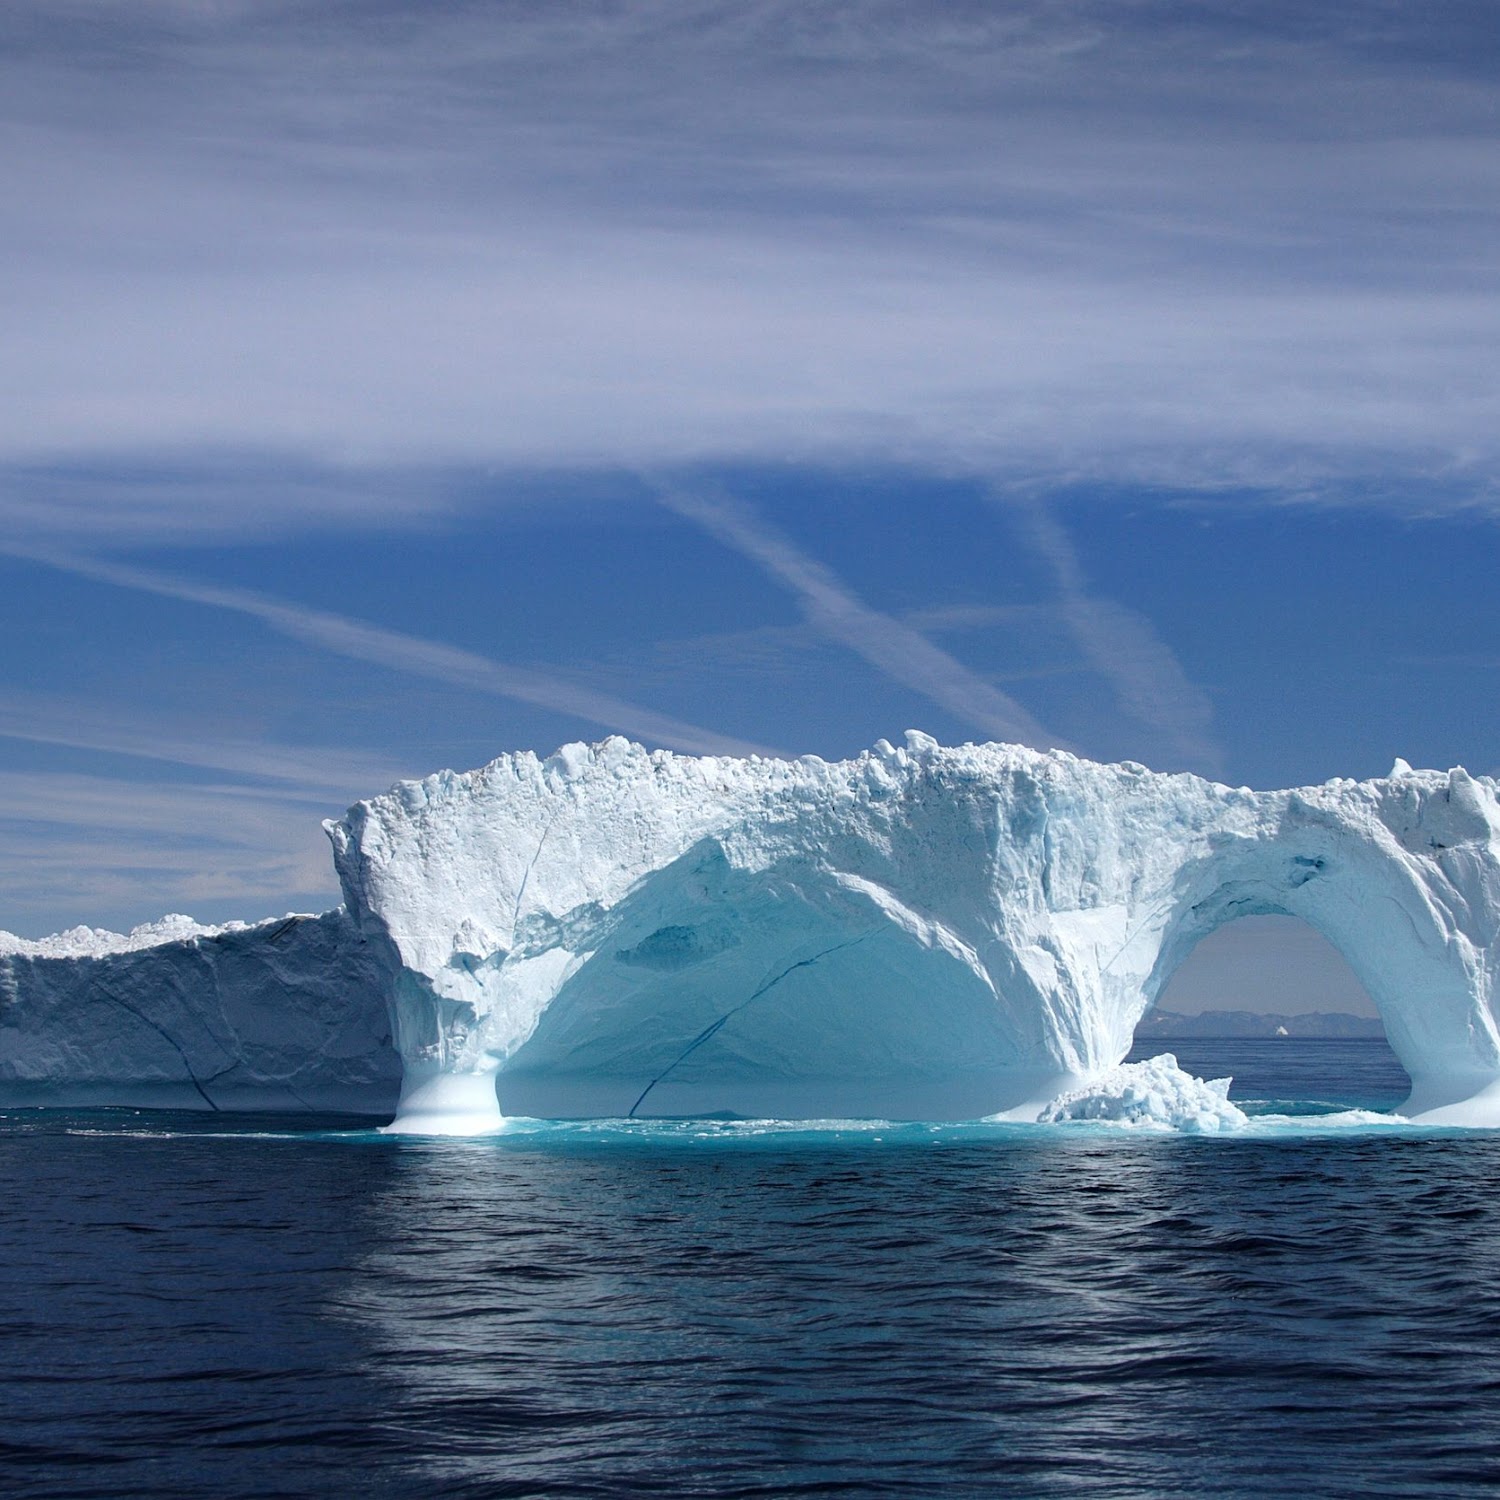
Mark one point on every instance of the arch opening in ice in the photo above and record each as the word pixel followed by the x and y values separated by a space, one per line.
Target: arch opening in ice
pixel 1268 1001
pixel 780 994
pixel 1380 916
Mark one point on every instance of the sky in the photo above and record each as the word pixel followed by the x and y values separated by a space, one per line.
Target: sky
pixel 389 386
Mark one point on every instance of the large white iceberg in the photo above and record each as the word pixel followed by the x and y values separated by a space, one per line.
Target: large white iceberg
pixel 286 1014
pixel 926 932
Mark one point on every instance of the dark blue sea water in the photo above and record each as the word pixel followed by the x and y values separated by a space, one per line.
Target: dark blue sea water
pixel 207 1306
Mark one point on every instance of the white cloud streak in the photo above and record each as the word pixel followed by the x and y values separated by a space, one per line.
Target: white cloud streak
pixel 778 651
pixel 362 641
pixel 1123 646
pixel 895 648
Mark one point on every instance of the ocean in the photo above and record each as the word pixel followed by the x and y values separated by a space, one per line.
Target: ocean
pixel 236 1306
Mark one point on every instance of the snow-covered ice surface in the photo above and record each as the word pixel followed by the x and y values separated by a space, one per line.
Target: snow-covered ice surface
pixel 99 942
pixel 286 1014
pixel 920 932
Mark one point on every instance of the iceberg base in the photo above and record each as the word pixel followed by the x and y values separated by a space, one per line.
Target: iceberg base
pixel 447 1104
pixel 1435 1105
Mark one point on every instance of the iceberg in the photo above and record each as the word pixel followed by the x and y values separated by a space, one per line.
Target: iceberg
pixel 287 1014
pixel 918 932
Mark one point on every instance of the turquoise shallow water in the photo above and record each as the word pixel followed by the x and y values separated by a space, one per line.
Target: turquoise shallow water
pixel 251 1307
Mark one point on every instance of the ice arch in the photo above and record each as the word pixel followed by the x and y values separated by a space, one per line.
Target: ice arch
pixel 929 931
pixel 782 992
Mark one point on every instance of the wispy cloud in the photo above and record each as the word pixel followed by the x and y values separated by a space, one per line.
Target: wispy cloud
pixel 108 803
pixel 889 644
pixel 1123 646
pixel 775 651
pixel 313 771
pixel 1175 243
pixel 362 641
pixel 120 496
pixel 101 849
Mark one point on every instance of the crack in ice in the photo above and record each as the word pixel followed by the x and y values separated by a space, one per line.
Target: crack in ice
pixel 515 915
pixel 710 1031
pixel 170 1040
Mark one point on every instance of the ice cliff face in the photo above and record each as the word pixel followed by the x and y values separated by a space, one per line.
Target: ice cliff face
pixel 288 1014
pixel 929 932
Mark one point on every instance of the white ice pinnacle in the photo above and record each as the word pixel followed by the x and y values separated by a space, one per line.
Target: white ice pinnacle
pixel 922 932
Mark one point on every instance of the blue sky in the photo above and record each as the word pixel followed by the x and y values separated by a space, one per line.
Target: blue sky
pixel 389 386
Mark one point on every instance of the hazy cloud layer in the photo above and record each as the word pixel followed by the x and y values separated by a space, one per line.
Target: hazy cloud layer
pixel 311 771
pixel 1208 244
pixel 91 849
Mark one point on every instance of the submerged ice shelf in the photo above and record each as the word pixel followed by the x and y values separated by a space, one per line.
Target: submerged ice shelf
pixel 917 933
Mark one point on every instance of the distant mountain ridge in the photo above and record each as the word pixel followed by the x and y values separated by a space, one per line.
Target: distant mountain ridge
pixel 1249 1023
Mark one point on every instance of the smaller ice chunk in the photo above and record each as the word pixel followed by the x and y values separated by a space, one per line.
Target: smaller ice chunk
pixel 570 761
pixel 1155 1094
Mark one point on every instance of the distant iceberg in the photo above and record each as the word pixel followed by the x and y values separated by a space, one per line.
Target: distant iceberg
pixel 1322 1024
pixel 917 933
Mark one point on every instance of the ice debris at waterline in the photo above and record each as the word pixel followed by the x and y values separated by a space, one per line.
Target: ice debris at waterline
pixel 917 933
pixel 1156 1094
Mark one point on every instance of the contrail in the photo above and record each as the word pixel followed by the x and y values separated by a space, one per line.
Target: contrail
pixel 361 641
pixel 1124 648
pixel 894 647
pixel 309 769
